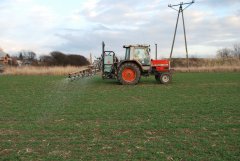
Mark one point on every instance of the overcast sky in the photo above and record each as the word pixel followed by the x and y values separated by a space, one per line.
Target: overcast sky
pixel 79 26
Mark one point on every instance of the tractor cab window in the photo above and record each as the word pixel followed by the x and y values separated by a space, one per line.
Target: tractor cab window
pixel 127 55
pixel 142 55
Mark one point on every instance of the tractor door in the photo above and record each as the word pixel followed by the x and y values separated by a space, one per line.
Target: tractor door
pixel 141 54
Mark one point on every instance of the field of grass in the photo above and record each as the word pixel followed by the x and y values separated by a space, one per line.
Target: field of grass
pixel 197 117
pixel 208 69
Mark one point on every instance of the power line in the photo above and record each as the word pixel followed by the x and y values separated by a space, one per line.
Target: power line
pixel 182 6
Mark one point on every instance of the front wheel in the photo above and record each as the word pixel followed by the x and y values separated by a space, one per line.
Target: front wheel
pixel 165 78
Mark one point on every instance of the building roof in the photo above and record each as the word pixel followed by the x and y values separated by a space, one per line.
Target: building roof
pixel 2 54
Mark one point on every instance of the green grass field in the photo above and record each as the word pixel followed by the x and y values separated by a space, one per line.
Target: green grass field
pixel 197 117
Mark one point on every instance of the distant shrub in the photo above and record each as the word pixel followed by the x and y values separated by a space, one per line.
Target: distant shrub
pixel 57 58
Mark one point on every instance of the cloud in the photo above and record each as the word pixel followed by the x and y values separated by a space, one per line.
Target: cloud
pixel 238 12
pixel 129 22
pixel 81 28
pixel 32 27
pixel 217 3
pixel 124 13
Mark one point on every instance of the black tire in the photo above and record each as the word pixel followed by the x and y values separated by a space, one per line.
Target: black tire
pixel 165 78
pixel 133 67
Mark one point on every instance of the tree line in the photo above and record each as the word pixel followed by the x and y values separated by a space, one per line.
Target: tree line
pixel 55 58
pixel 226 53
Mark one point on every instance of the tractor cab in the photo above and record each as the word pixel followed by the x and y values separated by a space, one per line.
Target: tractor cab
pixel 139 53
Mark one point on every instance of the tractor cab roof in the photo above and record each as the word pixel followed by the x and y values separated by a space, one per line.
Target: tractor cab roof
pixel 137 45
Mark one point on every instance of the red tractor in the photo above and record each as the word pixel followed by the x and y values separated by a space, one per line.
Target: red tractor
pixel 137 63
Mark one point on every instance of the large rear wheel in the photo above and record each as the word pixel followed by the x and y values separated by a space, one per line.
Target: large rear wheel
pixel 129 74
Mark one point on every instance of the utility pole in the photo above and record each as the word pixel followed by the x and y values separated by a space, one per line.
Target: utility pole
pixel 156 52
pixel 180 11
pixel 91 59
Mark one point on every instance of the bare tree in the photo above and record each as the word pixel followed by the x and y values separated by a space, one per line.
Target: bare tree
pixel 236 50
pixel 47 60
pixel 20 56
pixel 59 58
pixel 27 55
pixel 224 53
